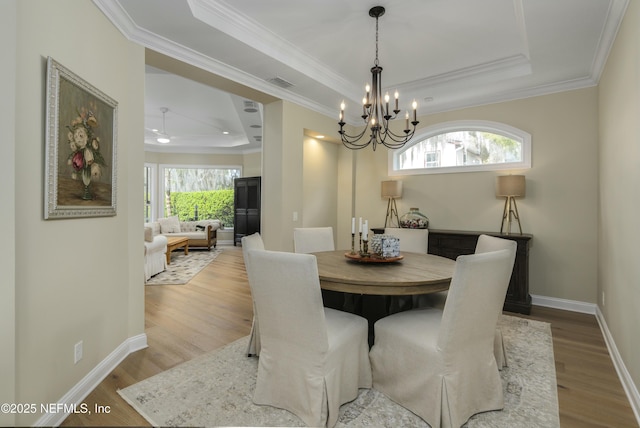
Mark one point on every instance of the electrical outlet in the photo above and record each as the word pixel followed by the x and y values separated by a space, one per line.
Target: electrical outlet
pixel 77 352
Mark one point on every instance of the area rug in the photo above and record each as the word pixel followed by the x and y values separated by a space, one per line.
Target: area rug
pixel 183 266
pixel 216 390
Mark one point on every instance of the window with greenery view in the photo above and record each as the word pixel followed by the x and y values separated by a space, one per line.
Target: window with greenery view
pixel 463 146
pixel 199 193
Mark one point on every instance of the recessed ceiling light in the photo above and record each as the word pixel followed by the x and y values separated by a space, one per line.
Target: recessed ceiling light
pixel 256 126
pixel 428 99
pixel 225 132
pixel 319 136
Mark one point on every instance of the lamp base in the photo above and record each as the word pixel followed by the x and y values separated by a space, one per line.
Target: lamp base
pixel 392 210
pixel 510 212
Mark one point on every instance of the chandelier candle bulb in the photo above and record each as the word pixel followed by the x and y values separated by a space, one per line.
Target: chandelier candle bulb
pixel 386 100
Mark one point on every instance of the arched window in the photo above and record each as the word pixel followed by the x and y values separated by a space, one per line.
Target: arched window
pixel 463 146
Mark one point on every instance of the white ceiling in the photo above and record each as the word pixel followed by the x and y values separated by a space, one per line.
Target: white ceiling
pixel 445 54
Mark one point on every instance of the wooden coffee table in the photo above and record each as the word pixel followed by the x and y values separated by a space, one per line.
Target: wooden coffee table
pixel 175 242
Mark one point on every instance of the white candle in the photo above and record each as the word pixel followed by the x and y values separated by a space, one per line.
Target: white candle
pixel 365 233
pixel 353 225
pixel 360 225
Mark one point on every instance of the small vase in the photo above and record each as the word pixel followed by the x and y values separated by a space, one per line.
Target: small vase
pixel 86 180
pixel 414 219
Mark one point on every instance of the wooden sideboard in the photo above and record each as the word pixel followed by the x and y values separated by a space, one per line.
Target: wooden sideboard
pixel 453 243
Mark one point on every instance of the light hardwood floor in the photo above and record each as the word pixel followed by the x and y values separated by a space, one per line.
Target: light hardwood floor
pixel 213 309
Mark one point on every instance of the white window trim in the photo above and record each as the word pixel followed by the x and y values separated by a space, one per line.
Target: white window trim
pixel 465 125
pixel 153 185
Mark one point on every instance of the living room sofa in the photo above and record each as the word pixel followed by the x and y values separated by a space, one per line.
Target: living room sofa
pixel 201 233
pixel 155 250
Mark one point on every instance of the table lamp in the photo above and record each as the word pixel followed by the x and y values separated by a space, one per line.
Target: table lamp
pixel 510 187
pixel 391 190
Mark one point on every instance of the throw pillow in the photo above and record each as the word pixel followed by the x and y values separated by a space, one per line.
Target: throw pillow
pixel 169 225
pixel 148 234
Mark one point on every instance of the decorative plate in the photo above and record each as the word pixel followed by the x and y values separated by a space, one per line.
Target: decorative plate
pixel 372 258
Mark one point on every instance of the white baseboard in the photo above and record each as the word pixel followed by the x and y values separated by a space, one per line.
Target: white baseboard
pixel 564 304
pixel 80 391
pixel 627 382
pixel 590 308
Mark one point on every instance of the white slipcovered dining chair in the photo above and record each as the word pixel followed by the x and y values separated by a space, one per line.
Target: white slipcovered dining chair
pixel 440 364
pixel 252 242
pixel 312 359
pixel 485 244
pixel 313 239
pixel 413 241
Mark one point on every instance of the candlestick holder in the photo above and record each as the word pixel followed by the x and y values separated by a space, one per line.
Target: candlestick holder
pixel 365 249
pixel 353 239
pixel 360 243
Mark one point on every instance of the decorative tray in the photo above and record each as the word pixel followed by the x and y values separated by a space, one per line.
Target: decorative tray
pixel 372 258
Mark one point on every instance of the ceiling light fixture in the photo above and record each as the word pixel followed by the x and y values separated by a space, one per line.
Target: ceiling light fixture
pixel 375 110
pixel 163 138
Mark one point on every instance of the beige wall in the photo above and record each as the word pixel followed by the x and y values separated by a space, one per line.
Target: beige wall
pixel 193 159
pixel 252 164
pixel 75 279
pixel 8 212
pixel 619 229
pixel 320 183
pixel 560 208
pixel 282 178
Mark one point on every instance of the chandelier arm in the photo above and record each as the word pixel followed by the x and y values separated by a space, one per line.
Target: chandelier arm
pixel 351 138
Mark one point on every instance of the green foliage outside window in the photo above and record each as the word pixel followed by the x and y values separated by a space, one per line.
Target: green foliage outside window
pixel 212 205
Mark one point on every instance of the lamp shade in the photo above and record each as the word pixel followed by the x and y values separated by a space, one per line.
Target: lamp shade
pixel 510 185
pixel 392 189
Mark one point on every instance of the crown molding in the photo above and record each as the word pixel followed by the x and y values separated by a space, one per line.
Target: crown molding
pixel 237 25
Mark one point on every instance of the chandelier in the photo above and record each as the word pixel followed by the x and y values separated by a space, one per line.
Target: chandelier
pixel 375 111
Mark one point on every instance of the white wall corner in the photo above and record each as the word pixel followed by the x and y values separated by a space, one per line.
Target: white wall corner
pixel 627 382
pixel 83 388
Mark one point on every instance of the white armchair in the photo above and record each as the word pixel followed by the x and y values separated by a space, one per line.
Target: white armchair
pixel 312 359
pixel 440 364
pixel 155 252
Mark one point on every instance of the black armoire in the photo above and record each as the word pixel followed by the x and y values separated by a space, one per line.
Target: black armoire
pixel 246 217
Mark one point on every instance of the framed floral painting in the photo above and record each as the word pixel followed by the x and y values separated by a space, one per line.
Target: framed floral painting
pixel 80 165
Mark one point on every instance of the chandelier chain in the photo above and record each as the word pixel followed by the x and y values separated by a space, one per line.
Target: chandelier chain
pixel 376 61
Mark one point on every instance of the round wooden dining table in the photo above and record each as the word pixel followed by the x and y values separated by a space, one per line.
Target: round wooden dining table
pixel 414 274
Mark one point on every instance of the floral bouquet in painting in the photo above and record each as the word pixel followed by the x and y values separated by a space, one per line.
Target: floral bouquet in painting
pixel 85 160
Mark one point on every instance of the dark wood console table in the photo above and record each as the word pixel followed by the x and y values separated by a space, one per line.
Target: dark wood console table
pixel 453 243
